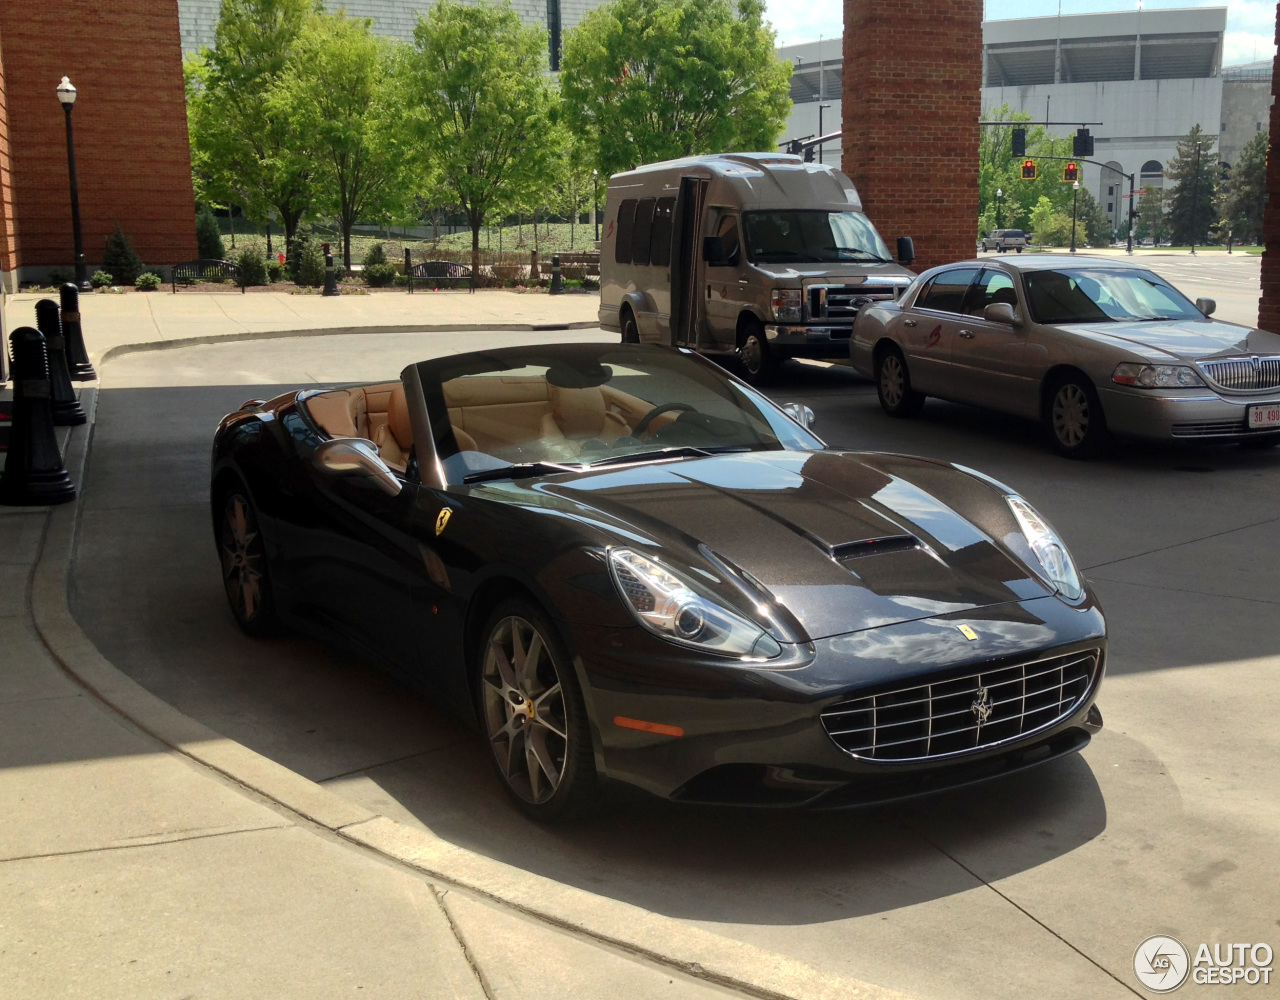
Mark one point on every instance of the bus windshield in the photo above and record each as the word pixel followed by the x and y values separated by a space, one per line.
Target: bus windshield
pixel 791 235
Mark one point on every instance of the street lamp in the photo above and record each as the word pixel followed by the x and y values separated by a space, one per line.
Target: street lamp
pixel 595 201
pixel 821 107
pixel 67 98
pixel 1075 194
pixel 999 195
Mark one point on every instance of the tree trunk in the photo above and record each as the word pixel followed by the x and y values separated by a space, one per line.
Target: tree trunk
pixel 347 224
pixel 475 251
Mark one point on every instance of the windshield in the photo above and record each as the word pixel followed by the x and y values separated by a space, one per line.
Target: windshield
pixel 1101 295
pixel 815 236
pixel 537 411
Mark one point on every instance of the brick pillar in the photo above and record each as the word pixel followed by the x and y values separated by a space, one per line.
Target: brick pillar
pixel 912 99
pixel 1269 304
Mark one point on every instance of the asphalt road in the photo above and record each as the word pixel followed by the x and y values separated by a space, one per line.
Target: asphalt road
pixel 1040 885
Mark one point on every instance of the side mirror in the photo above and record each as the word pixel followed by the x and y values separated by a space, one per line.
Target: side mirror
pixel 906 251
pixel 1000 312
pixel 801 414
pixel 1207 306
pixel 355 457
pixel 713 249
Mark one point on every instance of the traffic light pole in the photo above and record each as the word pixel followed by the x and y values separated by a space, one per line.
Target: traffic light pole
pixel 1075 159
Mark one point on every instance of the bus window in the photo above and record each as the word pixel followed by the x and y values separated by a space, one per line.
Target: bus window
pixel 660 241
pixel 640 234
pixel 626 217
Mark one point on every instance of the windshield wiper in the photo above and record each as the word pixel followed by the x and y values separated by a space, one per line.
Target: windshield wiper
pixel 521 470
pixel 680 451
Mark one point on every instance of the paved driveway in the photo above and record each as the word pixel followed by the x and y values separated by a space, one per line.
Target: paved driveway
pixel 1040 885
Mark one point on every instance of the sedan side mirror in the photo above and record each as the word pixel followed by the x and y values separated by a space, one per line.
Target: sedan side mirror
pixel 356 457
pixel 1207 306
pixel 906 251
pixel 801 414
pixel 712 249
pixel 1000 312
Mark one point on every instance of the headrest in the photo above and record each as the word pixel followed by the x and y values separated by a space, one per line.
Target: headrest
pixel 398 418
pixel 585 377
pixel 578 412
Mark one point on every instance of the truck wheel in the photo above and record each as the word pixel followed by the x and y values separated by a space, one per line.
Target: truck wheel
pixel 1019 249
pixel 630 330
pixel 893 385
pixel 760 363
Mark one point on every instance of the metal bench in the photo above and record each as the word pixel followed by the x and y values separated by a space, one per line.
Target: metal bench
pixel 580 264
pixel 437 272
pixel 202 270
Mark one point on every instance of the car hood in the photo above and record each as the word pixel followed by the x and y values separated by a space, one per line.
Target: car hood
pixel 1190 340
pixel 824 532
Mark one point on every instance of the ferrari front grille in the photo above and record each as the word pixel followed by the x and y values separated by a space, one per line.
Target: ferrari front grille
pixel 1243 374
pixel 959 715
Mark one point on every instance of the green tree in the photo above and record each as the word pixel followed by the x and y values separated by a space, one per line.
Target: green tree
pixel 1000 170
pixel 1151 220
pixel 1093 226
pixel 243 150
pixel 119 258
pixel 208 235
pixel 338 87
pixel 657 79
pixel 482 106
pixel 1191 204
pixel 1246 191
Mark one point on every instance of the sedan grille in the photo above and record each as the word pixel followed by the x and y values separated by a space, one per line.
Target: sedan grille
pixel 842 302
pixel 1243 374
pixel 960 715
pixel 1209 428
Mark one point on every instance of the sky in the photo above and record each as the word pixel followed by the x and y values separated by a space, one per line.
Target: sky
pixel 1251 24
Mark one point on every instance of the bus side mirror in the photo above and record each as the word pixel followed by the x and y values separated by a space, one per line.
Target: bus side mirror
pixel 906 251
pixel 712 249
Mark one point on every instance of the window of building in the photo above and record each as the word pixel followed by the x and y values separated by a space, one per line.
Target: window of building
pixel 1257 126
pixel 626 222
pixel 1111 207
pixel 642 231
pixel 1111 190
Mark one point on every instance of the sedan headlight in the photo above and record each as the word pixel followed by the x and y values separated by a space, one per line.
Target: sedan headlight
pixel 786 304
pixel 1048 549
pixel 676 609
pixel 1157 376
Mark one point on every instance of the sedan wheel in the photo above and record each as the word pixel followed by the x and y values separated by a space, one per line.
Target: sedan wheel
pixel 244 567
pixel 893 386
pixel 534 716
pixel 1077 426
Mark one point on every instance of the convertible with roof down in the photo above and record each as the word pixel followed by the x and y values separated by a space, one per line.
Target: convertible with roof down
pixel 621 563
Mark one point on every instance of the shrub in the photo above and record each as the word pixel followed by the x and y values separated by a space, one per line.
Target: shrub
pixel 208 235
pixel 310 264
pixel 100 279
pixel 59 276
pixel 275 270
pixel 379 275
pixel 119 260
pixel 148 281
pixel 377 255
pixel 253 268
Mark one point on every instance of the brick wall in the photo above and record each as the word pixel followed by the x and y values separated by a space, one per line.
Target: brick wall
pixel 132 155
pixel 1269 304
pixel 8 228
pixel 912 99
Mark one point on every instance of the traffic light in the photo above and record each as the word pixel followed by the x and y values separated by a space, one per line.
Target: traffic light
pixel 1082 145
pixel 1019 142
pixel 1028 170
pixel 1070 173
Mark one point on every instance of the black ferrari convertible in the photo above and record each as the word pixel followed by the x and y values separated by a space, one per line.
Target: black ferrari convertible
pixel 621 563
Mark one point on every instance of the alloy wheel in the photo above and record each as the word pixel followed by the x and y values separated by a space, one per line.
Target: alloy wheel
pixel 524 708
pixel 240 546
pixel 1070 415
pixel 892 381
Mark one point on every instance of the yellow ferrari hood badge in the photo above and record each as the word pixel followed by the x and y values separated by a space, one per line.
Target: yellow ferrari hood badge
pixel 442 519
pixel 964 630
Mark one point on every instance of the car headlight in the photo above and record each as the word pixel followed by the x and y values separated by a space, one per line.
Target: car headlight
pixel 1157 376
pixel 674 608
pixel 786 304
pixel 1048 549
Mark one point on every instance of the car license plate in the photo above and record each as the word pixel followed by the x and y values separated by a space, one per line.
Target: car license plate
pixel 1265 416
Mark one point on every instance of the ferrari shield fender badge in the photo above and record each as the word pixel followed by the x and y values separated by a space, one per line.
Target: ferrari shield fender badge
pixel 964 630
pixel 442 520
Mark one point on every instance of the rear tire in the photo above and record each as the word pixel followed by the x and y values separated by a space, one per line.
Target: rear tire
pixel 893 385
pixel 246 576
pixel 1074 418
pixel 630 329
pixel 761 365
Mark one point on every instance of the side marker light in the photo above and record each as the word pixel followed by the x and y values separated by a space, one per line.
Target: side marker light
pixel 647 727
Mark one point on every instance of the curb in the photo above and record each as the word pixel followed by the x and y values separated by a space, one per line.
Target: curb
pixel 120 350
pixel 681 947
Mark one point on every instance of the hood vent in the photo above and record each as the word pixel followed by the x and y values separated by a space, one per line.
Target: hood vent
pixel 847 551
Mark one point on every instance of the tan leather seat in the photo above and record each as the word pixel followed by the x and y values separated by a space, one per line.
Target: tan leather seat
pixel 580 414
pixel 395 438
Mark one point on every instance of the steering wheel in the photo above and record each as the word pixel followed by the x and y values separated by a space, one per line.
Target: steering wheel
pixel 643 423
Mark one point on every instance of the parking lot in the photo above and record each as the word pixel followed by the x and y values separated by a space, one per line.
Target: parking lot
pixel 1039 885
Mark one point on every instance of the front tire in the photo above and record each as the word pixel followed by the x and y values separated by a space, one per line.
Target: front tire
pixel 1077 426
pixel 893 385
pixel 761 365
pixel 245 573
pixel 534 715
pixel 630 329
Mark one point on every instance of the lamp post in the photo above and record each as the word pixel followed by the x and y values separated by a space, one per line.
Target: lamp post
pixel 999 195
pixel 820 132
pixel 1075 194
pixel 595 200
pixel 67 98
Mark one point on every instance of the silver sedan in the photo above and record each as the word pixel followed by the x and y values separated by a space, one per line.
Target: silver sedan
pixel 1089 346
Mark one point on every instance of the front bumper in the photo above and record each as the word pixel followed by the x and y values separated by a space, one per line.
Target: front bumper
pixel 1190 415
pixel 754 736
pixel 809 341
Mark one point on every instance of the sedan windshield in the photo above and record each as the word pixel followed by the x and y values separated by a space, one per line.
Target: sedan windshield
pixel 1104 295
pixel 807 236
pixel 540 411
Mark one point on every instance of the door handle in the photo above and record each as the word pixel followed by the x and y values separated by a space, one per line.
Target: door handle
pixel 908 322
pixel 967 334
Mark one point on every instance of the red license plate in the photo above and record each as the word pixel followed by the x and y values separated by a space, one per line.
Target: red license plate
pixel 1265 416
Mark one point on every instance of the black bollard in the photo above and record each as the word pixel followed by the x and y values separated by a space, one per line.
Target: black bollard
pixel 66 407
pixel 557 278
pixel 33 472
pixel 330 279
pixel 78 362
